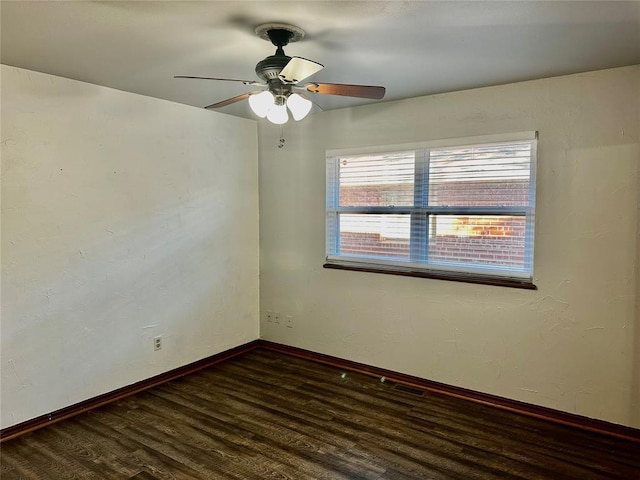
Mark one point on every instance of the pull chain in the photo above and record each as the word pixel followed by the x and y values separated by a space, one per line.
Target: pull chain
pixel 281 144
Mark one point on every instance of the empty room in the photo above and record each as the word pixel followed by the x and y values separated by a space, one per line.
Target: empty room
pixel 320 240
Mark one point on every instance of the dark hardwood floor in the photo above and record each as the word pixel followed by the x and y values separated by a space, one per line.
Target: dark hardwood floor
pixel 268 415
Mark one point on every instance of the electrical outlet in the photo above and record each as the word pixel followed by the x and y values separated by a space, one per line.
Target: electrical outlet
pixel 288 321
pixel 270 317
pixel 276 317
pixel 157 343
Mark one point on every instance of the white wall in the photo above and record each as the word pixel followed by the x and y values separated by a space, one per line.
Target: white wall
pixel 570 344
pixel 123 218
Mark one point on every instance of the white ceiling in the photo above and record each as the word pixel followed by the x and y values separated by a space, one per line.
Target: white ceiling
pixel 412 48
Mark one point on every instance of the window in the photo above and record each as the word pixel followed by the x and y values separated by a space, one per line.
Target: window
pixel 462 209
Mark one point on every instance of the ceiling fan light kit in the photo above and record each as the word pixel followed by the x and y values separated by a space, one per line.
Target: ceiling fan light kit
pixel 264 102
pixel 278 114
pixel 282 74
pixel 299 106
pixel 260 103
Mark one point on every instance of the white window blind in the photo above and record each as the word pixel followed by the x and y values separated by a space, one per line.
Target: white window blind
pixel 465 209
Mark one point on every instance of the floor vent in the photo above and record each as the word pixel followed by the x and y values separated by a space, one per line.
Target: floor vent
pixel 411 390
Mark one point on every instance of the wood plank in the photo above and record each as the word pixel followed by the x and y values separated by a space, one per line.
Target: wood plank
pixel 115 395
pixel 265 414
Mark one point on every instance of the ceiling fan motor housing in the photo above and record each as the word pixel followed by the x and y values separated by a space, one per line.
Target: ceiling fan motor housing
pixel 270 67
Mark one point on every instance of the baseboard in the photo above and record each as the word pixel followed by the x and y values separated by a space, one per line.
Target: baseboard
pixel 116 395
pixel 549 414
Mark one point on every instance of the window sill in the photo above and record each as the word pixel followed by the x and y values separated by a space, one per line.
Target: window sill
pixel 482 280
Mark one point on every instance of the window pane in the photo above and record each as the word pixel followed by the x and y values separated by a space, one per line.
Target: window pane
pixel 375 235
pixel 480 175
pixel 377 180
pixel 467 209
pixel 479 240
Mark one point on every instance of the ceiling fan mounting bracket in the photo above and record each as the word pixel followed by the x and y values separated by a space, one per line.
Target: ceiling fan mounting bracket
pixel 280 34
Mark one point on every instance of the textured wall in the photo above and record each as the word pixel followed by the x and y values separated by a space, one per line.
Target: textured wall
pixel 570 344
pixel 123 218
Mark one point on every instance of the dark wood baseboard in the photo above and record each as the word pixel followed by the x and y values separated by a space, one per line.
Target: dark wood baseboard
pixel 549 414
pixel 116 395
pixel 557 416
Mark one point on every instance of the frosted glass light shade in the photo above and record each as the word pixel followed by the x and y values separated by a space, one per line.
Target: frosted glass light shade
pixel 299 106
pixel 278 114
pixel 260 103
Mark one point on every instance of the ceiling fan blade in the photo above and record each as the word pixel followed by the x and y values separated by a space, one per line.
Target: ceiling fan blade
pixel 361 91
pixel 229 101
pixel 246 82
pixel 298 69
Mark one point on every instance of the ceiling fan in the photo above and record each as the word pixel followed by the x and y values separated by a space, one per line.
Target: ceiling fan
pixel 281 76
